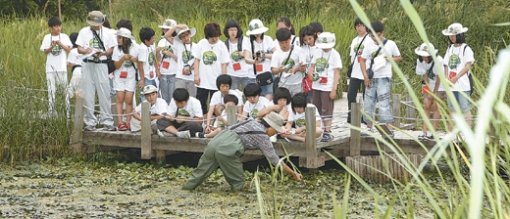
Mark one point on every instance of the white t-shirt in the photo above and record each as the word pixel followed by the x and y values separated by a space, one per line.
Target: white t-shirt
pixel 456 59
pixel 86 39
pixel 308 54
pixel 390 49
pixel 126 70
pixel 237 66
pixel 184 57
pixel 217 98
pixel 296 58
pixel 276 44
pixel 211 58
pixel 325 65
pixel 422 68
pixel 147 55
pixel 56 59
pixel 159 108
pixel 253 109
pixel 192 109
pixel 168 66
pixel 356 69
pixel 299 118
pixel 74 57
pixel 265 46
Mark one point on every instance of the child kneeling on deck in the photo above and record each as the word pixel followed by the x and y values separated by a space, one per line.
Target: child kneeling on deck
pixel 295 128
pixel 158 109
pixel 225 150
pixel 223 83
pixel 221 121
pixel 184 117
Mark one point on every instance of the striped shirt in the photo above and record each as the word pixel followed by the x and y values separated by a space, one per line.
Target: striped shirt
pixel 253 136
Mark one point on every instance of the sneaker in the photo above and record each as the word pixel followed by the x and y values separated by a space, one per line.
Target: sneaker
pixel 200 135
pixel 110 128
pixel 90 128
pixel 160 133
pixel 326 137
pixel 183 134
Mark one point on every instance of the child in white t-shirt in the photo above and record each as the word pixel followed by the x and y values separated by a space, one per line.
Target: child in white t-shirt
pixel 167 57
pixel 325 74
pixel 287 62
pixel 426 67
pixel 183 48
pixel 158 109
pixel 378 84
pixel 124 81
pixel 221 120
pixel 211 59
pixel 295 128
pixel 309 49
pixel 216 105
pixel 148 65
pixel 285 23
pixel 56 45
pixel 261 52
pixel 184 115
pixel 239 48
pixel 74 61
pixel 254 102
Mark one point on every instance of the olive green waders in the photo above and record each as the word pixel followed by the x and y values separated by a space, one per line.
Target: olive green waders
pixel 223 151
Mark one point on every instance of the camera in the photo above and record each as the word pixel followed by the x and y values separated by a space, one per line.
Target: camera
pixel 259 55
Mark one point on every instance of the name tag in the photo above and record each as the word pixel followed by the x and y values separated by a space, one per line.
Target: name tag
pixel 259 67
pixel 123 74
pixel 452 74
pixel 236 66
pixel 166 64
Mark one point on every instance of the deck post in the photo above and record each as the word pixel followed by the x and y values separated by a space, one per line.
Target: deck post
pixel 396 110
pixel 231 114
pixel 146 133
pixel 77 134
pixel 355 141
pixel 312 159
pixel 411 112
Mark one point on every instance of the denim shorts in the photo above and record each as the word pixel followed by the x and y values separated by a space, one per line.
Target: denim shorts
pixel 462 100
pixel 379 92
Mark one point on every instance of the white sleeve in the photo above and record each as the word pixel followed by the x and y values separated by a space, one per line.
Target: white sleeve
pixel 172 108
pixel 352 48
pixel 419 68
pixel 215 99
pixel 469 55
pixel 247 44
pixel 161 43
pixel 196 51
pixel 197 108
pixel 315 56
pixel 116 55
pixel 111 40
pixel 162 107
pixel 46 43
pixel 394 49
pixel 224 55
pixel 142 54
pixel 245 107
pixel 336 61
pixel 239 98
pixel 81 39
pixel 275 61
pixel 366 52
pixel 66 41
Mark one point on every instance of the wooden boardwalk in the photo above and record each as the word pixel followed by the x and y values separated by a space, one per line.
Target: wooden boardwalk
pixel 311 154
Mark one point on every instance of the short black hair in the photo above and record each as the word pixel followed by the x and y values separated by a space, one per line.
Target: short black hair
pixel 180 94
pixel 252 90
pixel 223 79
pixel 212 30
pixel 459 38
pixel 146 33
pixel 282 93
pixel 230 24
pixel 378 26
pixel 316 27
pixel 73 37
pixel 298 100
pixel 283 34
pixel 54 21
pixel 230 98
pixel 126 23
pixel 358 22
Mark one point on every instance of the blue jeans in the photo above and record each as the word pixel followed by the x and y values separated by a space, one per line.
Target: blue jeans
pixel 462 100
pixel 167 87
pixel 241 82
pixel 379 92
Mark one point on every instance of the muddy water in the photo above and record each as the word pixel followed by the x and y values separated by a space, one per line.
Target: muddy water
pixel 77 189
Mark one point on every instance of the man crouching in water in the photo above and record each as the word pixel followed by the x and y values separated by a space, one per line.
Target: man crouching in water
pixel 225 150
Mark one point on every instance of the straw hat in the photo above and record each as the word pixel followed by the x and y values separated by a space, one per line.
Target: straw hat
pixel 192 31
pixel 95 18
pixel 149 89
pixel 424 48
pixel 169 23
pixel 124 32
pixel 454 29
pixel 256 27
pixel 274 120
pixel 326 40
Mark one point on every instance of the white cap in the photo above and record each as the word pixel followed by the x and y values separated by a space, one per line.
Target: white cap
pixel 149 89
pixel 454 29
pixel 256 27
pixel 124 32
pixel 326 40
pixel 424 49
pixel 169 23
pixel 192 31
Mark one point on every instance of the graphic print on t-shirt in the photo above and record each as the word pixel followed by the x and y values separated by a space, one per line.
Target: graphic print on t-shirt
pixel 57 49
pixel 300 122
pixel 183 112
pixel 236 56
pixel 151 58
pixel 169 49
pixel 289 64
pixel 254 112
pixel 209 57
pixel 94 43
pixel 187 56
pixel 128 63
pixel 454 61
pixel 321 66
